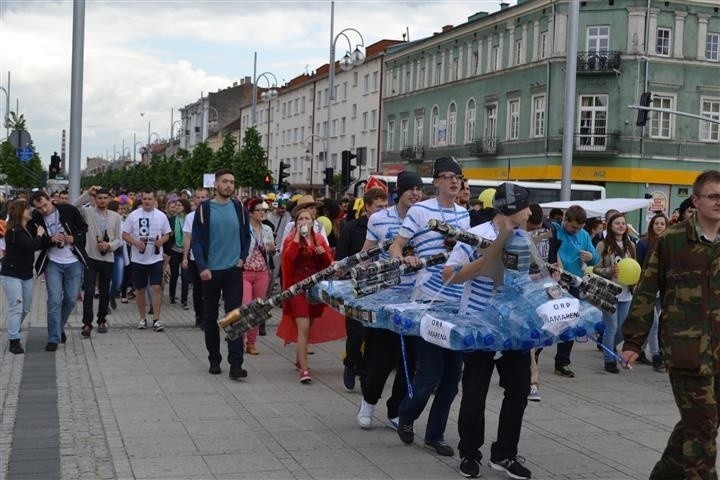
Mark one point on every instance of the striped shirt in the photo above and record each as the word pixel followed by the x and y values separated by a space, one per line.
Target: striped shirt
pixel 478 291
pixel 384 225
pixel 425 242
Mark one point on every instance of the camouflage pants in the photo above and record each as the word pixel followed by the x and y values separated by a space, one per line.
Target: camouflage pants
pixel 691 450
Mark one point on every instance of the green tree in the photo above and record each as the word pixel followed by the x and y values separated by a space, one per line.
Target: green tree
pixel 226 156
pixel 251 167
pixel 195 165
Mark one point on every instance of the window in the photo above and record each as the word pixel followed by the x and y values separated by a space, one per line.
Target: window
pixel 343 125
pixel 366 83
pixel 710 107
pixel 711 47
pixel 296 106
pixel 451 123
pixel 335 96
pixel 662 44
pixel 404 133
pixel 391 135
pixel 419 131
pixel 598 39
pixel 421 75
pixel 513 120
pixel 518 52
pixel 408 78
pixel 470 121
pixel 538 116
pixel 354 110
pixel 495 58
pixel 394 82
pixel 373 119
pixel 454 69
pixel 295 135
pixel 283 109
pixel 474 63
pixel 352 141
pixel 334 127
pixel 434 126
pixel 325 128
pixel 438 73
pixel 319 99
pixel 355 79
pixel 592 122
pixel 365 121
pixel 327 96
pixel 344 91
pixel 302 105
pixel 543 44
pixel 375 84
pixel 489 141
pixel 661 122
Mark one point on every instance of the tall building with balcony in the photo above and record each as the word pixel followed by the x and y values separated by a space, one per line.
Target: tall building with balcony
pixel 294 126
pixel 490 92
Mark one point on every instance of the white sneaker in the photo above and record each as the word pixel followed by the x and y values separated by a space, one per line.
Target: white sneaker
pixel 392 423
pixel 534 395
pixel 365 414
pixel 158 326
pixel 142 325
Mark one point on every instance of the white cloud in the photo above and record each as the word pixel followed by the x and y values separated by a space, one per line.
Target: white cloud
pixel 153 56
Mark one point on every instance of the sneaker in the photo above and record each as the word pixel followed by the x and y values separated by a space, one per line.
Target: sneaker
pixel 63 337
pixel 643 359
pixel 349 379
pixel 511 466
pixel 392 423
pixel 158 326
pixel 123 300
pixel 406 432
pixel 611 367
pixel 16 347
pixel 173 301
pixel 365 413
pixel 237 372
pixel 534 395
pixel 215 369
pixel 102 327
pixel 142 325
pixel 441 448
pixel 51 347
pixel 113 303
pixel 86 329
pixel 657 363
pixel 470 467
pixel 564 371
pixel 185 306
pixel 305 377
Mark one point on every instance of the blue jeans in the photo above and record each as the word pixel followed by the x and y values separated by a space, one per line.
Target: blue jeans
pixel 439 367
pixel 19 297
pixel 613 326
pixel 63 287
pixel 117 274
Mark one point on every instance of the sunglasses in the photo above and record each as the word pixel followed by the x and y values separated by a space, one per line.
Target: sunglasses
pixel 263 210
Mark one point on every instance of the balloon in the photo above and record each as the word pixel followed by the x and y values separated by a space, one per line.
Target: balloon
pixel 486 197
pixel 628 271
pixel 326 223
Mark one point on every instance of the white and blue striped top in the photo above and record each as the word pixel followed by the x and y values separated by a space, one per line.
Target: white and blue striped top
pixel 478 291
pixel 427 242
pixel 384 225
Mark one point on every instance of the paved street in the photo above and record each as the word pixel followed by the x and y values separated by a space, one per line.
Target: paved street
pixel 140 404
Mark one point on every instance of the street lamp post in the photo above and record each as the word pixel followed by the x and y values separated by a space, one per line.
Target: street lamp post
pixel 269 95
pixel 309 149
pixel 349 60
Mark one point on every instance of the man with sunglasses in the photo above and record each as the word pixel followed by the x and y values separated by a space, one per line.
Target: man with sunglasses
pixel 685 269
pixel 437 368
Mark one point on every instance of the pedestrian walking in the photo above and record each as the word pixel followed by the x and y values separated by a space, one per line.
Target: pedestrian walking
pixel 220 244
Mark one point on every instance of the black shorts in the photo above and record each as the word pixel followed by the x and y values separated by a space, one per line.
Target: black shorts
pixel 142 273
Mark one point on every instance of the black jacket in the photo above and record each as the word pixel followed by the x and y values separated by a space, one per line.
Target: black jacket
pixel 352 238
pixel 73 223
pixel 20 246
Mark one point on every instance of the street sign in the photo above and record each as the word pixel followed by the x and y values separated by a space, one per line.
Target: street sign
pixel 25 154
pixel 20 138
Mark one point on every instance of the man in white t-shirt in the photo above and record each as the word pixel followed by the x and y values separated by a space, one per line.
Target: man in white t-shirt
pixel 438 368
pixel 146 229
pixel 188 261
pixel 465 267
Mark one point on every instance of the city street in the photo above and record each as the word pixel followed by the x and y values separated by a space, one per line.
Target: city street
pixel 140 404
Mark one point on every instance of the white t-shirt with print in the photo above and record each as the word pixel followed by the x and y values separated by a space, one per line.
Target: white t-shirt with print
pixel 142 224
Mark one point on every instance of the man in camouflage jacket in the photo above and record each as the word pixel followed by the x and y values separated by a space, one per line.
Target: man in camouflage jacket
pixel 685 269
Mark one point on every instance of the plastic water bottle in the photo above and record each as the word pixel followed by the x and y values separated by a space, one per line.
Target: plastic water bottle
pixel 517 254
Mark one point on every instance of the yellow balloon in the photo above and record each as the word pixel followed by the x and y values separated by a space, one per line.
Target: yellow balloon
pixel 486 197
pixel 628 271
pixel 326 223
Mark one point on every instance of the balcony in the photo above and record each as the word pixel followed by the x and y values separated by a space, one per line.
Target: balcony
pixel 484 146
pixel 599 142
pixel 413 153
pixel 598 62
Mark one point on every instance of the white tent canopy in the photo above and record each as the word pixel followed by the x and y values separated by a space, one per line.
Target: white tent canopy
pixel 597 208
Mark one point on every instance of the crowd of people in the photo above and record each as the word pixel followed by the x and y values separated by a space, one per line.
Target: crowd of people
pixel 117 245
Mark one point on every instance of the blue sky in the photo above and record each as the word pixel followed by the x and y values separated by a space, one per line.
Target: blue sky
pixel 153 56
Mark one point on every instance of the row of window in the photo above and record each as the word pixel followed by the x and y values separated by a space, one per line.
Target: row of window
pixel 663 44
pixel 592 122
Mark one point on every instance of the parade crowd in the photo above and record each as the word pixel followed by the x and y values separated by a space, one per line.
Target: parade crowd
pixel 207 246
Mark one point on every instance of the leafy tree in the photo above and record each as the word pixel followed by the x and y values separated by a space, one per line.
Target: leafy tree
pixel 25 175
pixel 226 156
pixel 196 165
pixel 251 167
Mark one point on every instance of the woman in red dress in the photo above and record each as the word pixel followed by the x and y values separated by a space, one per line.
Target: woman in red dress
pixel 305 253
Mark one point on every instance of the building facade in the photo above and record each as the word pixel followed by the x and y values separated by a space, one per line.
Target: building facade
pixel 491 93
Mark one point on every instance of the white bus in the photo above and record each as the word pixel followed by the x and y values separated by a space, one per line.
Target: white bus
pixel 540 192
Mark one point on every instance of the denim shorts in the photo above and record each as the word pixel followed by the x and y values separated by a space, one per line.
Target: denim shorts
pixel 142 273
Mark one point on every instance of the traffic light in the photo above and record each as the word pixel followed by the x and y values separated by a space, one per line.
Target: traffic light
pixel 54 165
pixel 347 168
pixel 284 173
pixel 268 181
pixel 642 116
pixel 329 174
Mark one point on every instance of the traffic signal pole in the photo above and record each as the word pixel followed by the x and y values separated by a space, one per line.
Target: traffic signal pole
pixel 76 97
